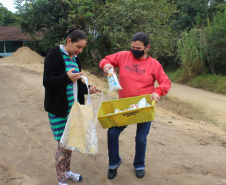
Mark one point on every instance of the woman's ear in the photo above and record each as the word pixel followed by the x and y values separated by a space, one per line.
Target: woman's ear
pixel 68 40
pixel 148 47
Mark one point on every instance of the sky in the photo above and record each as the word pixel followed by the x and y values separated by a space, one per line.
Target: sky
pixel 9 5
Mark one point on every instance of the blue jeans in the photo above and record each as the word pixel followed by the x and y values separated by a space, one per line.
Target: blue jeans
pixel 141 142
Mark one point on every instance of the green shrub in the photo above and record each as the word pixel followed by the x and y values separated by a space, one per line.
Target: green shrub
pixel 215 44
pixel 190 54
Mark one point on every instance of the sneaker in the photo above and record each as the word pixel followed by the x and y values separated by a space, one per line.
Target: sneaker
pixel 140 173
pixel 73 176
pixel 113 172
pixel 62 183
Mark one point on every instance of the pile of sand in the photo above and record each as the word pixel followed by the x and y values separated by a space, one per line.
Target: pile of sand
pixel 26 58
pixel 24 55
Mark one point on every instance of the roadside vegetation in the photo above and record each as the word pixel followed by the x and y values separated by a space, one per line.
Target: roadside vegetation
pixel 208 82
pixel 202 55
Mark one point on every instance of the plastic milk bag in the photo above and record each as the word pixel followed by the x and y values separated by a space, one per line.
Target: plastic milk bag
pixel 142 103
pixel 113 81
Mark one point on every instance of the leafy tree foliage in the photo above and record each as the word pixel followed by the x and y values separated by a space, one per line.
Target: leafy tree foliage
pixel 189 13
pixel 122 19
pixel 7 18
pixel 215 45
pixel 193 14
pixel 47 16
pixel 215 6
pixel 108 24
pixel 204 46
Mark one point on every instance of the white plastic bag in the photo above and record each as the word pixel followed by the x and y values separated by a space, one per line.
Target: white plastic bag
pixel 80 131
pixel 117 111
pixel 113 81
pixel 142 103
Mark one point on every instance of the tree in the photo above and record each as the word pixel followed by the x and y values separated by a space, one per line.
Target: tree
pixel 215 6
pixel 189 13
pixel 204 48
pixel 51 17
pixel 215 43
pixel 7 18
pixel 122 19
pixel 108 24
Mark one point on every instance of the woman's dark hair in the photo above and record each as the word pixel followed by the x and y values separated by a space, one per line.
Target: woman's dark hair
pixel 141 36
pixel 75 34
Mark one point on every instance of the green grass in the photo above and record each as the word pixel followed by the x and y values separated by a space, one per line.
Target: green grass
pixel 208 82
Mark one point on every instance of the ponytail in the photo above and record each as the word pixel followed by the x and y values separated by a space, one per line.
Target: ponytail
pixel 75 34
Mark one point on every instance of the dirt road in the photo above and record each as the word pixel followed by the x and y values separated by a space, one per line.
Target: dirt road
pixel 180 151
pixel 212 104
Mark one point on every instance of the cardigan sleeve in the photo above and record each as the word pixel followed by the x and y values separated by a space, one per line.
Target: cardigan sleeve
pixel 51 79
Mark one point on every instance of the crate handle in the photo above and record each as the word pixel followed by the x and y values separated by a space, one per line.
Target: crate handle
pixel 153 102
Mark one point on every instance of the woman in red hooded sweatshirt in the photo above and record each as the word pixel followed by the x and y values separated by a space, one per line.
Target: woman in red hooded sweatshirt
pixel 137 75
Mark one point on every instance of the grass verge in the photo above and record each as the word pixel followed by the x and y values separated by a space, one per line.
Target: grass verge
pixel 208 82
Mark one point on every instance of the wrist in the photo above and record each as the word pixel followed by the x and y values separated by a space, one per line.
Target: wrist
pixel 158 90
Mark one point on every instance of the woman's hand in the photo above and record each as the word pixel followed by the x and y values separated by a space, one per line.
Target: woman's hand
pixel 93 89
pixel 106 68
pixel 155 96
pixel 74 76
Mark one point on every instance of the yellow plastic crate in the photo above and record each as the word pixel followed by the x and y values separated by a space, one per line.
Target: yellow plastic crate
pixel 134 116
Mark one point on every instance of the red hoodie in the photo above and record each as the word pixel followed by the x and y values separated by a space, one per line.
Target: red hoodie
pixel 137 76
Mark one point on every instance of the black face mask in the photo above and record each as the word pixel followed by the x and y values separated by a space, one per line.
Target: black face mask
pixel 137 53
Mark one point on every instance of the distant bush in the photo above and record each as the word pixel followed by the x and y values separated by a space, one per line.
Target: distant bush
pixel 215 45
pixel 190 54
pixel 203 49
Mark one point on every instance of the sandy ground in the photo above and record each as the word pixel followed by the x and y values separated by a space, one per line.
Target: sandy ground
pixel 180 151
